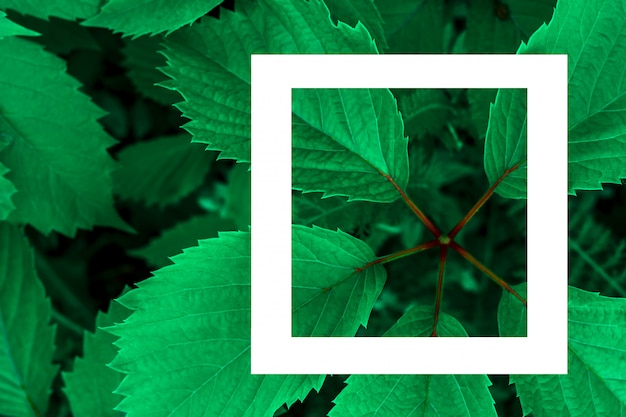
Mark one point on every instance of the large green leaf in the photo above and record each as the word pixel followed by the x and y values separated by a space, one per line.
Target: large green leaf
pixel 9 28
pixel 186 347
pixel 142 17
pixel 593 35
pixel 417 395
pixel 209 64
pixel 596 382
pixel 90 385
pixel 26 337
pixel 56 149
pixel 161 171
pixel 66 9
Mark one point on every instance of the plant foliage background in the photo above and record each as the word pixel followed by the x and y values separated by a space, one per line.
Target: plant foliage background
pixel 124 175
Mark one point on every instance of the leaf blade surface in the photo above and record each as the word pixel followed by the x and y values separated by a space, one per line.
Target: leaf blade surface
pixel 327 156
pixel 593 35
pixel 56 149
pixel 26 337
pixel 417 395
pixel 189 337
pixel 596 382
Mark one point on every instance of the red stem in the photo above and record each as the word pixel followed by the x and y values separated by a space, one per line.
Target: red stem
pixel 400 254
pixel 464 253
pixel 443 254
pixel 429 224
pixel 481 201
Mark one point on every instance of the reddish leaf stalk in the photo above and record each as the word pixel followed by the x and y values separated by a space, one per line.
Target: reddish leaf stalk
pixel 427 222
pixel 464 253
pixel 481 201
pixel 400 254
pixel 443 255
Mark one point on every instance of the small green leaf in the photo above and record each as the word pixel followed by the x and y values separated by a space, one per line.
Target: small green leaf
pixel 507 119
pixel 321 164
pixel 417 395
pixel 57 152
pixel 595 383
pixel 161 171
pixel 26 337
pixel 90 385
pixel 330 298
pixel 142 17
pixel 9 28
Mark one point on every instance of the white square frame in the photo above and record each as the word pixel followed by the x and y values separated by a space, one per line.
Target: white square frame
pixel 275 351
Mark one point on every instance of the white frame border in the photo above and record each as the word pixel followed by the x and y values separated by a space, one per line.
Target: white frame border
pixel 275 351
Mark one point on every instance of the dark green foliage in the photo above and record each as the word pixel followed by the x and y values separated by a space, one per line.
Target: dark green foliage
pixel 125 241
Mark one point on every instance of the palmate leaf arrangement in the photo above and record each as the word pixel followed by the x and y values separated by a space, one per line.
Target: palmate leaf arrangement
pixel 179 343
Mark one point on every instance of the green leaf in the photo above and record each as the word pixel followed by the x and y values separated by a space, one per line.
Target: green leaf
pixel 595 383
pixel 213 58
pixel 364 11
pixel 186 347
pixel 366 123
pixel 417 395
pixel 142 62
pixel 66 9
pixel 501 26
pixel 161 171
pixel 26 337
pixel 592 35
pixel 413 26
pixel 330 298
pixel 90 385
pixel 142 17
pixel 57 150
pixel 507 119
pixel 9 28
pixel 183 235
